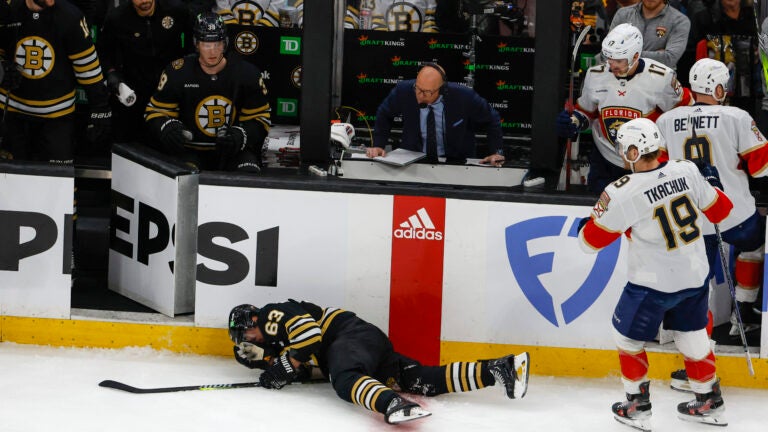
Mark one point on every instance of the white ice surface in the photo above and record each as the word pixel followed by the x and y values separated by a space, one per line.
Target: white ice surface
pixel 55 389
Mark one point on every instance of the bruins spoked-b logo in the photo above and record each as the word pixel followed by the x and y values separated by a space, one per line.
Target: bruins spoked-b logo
pixel 246 43
pixel 296 77
pixel 167 22
pixel 35 57
pixel 212 113
pixel 247 12
pixel 404 16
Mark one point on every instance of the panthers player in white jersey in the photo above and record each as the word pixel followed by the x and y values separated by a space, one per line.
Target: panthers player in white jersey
pixel 659 207
pixel 624 88
pixel 727 138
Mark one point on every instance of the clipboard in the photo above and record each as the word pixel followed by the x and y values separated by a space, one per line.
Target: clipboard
pixel 400 157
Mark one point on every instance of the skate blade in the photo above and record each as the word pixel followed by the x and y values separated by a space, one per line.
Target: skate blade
pixel 521 371
pixel 714 420
pixel 681 386
pixel 643 424
pixel 413 413
pixel 734 331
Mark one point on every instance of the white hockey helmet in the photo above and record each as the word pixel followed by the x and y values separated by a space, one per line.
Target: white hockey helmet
pixel 342 133
pixel 641 133
pixel 623 42
pixel 706 74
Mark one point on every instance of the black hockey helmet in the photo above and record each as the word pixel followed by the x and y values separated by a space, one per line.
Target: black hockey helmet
pixel 240 320
pixel 210 27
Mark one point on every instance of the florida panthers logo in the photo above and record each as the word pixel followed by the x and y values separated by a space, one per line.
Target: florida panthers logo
pixel 247 12
pixel 212 113
pixel 404 16
pixel 35 56
pixel 613 117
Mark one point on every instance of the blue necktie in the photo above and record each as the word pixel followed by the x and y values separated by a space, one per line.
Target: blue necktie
pixel 431 137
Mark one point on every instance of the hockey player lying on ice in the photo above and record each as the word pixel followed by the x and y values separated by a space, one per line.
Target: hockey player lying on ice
pixel 285 338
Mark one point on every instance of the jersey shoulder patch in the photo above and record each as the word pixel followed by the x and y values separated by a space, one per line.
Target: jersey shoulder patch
pixel 178 63
pixel 601 206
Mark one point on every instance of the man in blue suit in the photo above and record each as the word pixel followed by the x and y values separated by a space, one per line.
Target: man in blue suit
pixel 457 113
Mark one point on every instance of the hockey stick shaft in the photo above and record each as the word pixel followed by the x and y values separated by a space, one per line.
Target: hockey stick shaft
pixel 574 53
pixel 763 56
pixel 566 168
pixel 732 289
pixel 130 389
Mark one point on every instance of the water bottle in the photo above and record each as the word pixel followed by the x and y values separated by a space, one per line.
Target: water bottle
pixel 366 15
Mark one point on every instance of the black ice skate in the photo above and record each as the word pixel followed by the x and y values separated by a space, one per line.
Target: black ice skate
pixel 402 410
pixel 749 318
pixel 512 373
pixel 680 381
pixel 636 410
pixel 707 408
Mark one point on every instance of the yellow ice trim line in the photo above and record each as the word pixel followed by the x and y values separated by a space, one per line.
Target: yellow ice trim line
pixel 593 363
pixel 549 361
pixel 101 334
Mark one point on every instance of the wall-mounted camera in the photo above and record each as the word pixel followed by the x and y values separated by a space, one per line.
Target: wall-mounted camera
pixel 507 11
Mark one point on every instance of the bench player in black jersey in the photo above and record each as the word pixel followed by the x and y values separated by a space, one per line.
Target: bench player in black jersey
pixel 48 42
pixel 210 108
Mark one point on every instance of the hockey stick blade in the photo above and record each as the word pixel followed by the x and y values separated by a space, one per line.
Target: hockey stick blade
pixel 130 389
pixel 576 46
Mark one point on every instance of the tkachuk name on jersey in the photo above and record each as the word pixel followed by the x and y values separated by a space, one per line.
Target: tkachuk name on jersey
pixel 698 122
pixel 665 189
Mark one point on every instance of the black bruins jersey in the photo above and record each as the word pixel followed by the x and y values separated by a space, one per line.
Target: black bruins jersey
pixel 141 47
pixel 204 103
pixel 301 328
pixel 54 51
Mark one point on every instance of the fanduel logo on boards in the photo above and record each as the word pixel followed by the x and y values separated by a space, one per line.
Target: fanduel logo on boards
pixel 529 268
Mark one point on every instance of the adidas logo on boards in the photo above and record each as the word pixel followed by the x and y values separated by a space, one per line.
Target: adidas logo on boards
pixel 419 226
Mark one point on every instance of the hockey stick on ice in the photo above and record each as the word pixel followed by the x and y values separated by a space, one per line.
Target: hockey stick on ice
pixel 724 263
pixel 565 171
pixel 130 389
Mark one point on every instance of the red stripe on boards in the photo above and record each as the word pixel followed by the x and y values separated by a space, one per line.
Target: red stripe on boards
pixel 416 284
